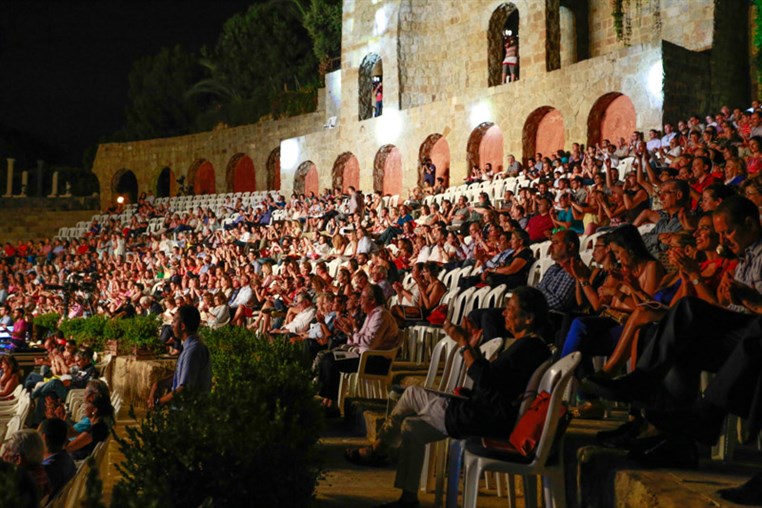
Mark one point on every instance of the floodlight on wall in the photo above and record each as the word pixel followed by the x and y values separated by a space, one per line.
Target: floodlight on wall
pixel 381 21
pixel 507 33
pixel 480 112
pixel 120 200
pixel 655 81
pixel 388 127
pixel 289 153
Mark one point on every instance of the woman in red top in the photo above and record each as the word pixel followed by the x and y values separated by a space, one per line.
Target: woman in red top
pixel 754 159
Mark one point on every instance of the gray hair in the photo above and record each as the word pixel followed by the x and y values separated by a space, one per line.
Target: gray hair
pixel 28 444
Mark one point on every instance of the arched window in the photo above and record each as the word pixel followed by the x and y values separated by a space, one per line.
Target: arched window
pixel 166 186
pixel 240 175
pixel 485 145
pixel 503 45
pixel 306 179
pixel 543 132
pixel 125 184
pixel 611 117
pixel 201 178
pixel 370 87
pixel 387 170
pixel 346 172
pixel 436 149
pixel 273 170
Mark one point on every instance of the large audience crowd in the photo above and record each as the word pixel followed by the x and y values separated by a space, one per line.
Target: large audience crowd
pixel 672 282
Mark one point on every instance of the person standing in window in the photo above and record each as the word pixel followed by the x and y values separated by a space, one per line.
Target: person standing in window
pixel 511 59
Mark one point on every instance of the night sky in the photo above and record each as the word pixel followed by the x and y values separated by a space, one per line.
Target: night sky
pixel 64 65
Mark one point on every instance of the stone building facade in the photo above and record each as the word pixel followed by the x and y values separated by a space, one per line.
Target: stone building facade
pixel 443 98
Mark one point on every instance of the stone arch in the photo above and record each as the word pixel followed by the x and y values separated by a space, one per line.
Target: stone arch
pixel 273 169
pixel 611 117
pixel 543 132
pixel 505 17
pixel 437 148
pixel 387 170
pixel 346 172
pixel 370 68
pixel 485 144
pixel 240 175
pixel 202 177
pixel 125 183
pixel 166 184
pixel 306 179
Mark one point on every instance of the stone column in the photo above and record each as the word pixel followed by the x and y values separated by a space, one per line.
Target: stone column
pixel 54 187
pixel 40 165
pixel 10 178
pixel 24 183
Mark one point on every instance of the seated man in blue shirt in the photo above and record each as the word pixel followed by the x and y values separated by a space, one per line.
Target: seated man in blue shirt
pixel 194 367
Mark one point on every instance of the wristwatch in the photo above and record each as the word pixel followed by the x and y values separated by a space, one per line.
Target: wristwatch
pixel 462 349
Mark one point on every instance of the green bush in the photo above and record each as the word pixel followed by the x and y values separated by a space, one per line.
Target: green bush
pixel 49 321
pixel 140 331
pixel 250 442
pixel 88 331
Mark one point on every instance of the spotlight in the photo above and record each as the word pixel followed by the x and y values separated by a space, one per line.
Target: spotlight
pixel 120 200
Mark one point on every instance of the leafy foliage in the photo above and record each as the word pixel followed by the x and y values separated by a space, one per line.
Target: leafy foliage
pixel 260 422
pixel 139 331
pixel 48 320
pixel 158 104
pixel 758 39
pixel 322 20
pixel 86 331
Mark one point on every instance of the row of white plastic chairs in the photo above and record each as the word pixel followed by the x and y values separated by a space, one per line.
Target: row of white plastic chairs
pixel 494 189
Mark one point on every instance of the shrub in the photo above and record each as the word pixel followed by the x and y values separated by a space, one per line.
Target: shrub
pixel 140 331
pixel 261 421
pixel 49 321
pixel 88 331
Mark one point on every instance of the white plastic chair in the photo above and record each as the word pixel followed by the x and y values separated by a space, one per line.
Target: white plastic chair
pixel 554 381
pixel 363 384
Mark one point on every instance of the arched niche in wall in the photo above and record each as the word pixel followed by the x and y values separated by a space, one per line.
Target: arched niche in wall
pixel 273 169
pixel 543 132
pixel 485 144
pixel 612 117
pixel 166 185
pixel 201 177
pixel 240 175
pixel 436 148
pixel 125 183
pixel 346 172
pixel 306 179
pixel 504 20
pixel 387 170
pixel 371 75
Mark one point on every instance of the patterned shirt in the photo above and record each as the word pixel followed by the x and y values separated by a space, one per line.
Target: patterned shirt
pixel 665 224
pixel 749 271
pixel 558 286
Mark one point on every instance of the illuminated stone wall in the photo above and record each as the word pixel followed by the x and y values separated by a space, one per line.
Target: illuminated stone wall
pixel 434 55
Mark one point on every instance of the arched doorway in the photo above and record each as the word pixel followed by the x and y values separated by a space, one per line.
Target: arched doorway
pixel 273 170
pixel 485 144
pixel 306 179
pixel 436 148
pixel 125 183
pixel 201 177
pixel 543 132
pixel 504 20
pixel 611 117
pixel 371 76
pixel 346 172
pixel 240 175
pixel 166 186
pixel 387 170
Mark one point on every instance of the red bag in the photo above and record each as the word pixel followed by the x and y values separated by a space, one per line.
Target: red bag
pixel 438 315
pixel 527 432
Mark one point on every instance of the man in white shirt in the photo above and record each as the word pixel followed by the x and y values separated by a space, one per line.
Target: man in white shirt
pixel 669 133
pixel 654 142
pixel 299 316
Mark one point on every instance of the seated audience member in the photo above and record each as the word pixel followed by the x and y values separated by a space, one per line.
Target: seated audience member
pixel 100 412
pixel 430 293
pixel 674 215
pixel 193 372
pixel 421 417
pixel 58 464
pixel 540 225
pixel 557 284
pixel 219 314
pixel 25 450
pixel 514 272
pixel 59 387
pixel 697 336
pixel 378 332
pixel 11 376
pixel 298 317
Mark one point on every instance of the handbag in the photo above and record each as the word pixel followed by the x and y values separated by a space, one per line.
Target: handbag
pixel 438 315
pixel 527 432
